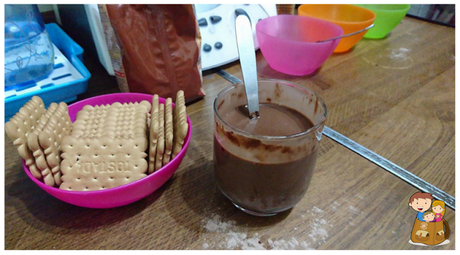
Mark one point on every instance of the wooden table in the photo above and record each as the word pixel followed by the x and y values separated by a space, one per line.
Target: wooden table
pixel 394 96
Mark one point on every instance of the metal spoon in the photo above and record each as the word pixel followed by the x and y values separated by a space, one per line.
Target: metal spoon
pixel 350 34
pixel 245 43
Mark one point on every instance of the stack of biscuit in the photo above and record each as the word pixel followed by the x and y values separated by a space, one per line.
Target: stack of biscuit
pixel 37 133
pixel 107 145
pixel 168 129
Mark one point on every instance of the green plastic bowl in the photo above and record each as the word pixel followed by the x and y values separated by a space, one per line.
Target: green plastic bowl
pixel 388 16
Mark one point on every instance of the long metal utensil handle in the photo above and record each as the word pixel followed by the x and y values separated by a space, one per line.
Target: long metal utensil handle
pixel 350 34
pixel 246 51
pixel 398 171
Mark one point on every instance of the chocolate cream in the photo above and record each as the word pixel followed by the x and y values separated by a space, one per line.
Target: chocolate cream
pixel 264 175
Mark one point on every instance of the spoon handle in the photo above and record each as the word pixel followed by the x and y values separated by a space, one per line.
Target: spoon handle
pixel 246 51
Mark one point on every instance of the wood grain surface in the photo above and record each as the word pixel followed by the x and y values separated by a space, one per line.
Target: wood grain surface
pixel 394 96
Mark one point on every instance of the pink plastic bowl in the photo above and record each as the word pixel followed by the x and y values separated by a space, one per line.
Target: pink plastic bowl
pixel 125 194
pixel 289 42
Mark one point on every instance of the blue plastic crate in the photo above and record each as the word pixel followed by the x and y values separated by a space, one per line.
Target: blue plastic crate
pixel 68 79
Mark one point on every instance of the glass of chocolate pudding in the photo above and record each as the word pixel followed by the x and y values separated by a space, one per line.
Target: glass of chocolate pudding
pixel 264 165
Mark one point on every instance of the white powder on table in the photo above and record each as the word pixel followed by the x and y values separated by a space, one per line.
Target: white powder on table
pixel 291 244
pixel 235 239
pixel 217 225
pixel 399 53
pixel 335 205
pixel 354 210
pixel 240 240
pixel 317 210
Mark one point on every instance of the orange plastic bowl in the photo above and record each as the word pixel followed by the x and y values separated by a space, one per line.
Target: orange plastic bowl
pixel 350 18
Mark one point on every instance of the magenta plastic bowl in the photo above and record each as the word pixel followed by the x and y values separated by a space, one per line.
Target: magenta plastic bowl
pixel 289 42
pixel 125 194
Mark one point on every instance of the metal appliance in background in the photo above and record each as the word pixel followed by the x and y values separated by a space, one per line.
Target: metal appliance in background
pixel 217 28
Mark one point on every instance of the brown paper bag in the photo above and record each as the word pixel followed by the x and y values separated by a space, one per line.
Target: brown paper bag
pixel 157 48
pixel 430 233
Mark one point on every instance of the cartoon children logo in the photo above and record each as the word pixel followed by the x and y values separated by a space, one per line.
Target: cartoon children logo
pixel 430 227
pixel 439 208
pixel 421 202
pixel 424 226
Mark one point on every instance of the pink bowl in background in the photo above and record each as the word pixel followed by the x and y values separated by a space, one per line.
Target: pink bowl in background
pixel 125 194
pixel 289 42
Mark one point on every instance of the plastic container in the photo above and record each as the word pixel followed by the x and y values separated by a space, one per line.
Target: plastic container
pixel 29 53
pixel 350 18
pixel 68 79
pixel 125 194
pixel 97 31
pixel 388 16
pixel 289 42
